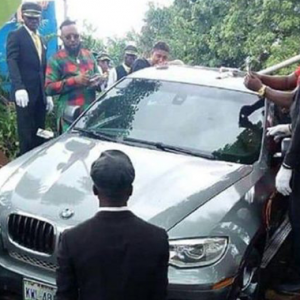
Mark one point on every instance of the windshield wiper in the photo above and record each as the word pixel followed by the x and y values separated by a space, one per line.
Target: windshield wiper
pixel 95 134
pixel 170 148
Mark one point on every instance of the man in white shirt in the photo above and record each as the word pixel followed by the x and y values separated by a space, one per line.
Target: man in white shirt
pixel 124 69
pixel 103 61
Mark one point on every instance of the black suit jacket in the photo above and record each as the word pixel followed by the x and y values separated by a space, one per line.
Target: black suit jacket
pixel 113 256
pixel 26 70
pixel 139 64
pixel 292 157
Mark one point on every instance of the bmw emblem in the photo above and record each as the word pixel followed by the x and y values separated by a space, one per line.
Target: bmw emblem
pixel 67 214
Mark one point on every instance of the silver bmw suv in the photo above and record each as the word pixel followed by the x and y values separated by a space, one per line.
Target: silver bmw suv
pixel 204 172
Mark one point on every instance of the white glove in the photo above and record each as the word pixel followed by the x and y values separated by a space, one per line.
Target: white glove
pixel 22 98
pixel 283 179
pixel 279 131
pixel 49 105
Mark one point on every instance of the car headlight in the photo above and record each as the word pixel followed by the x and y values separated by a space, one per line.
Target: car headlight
pixel 200 252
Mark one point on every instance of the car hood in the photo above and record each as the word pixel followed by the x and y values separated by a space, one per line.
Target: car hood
pixel 167 188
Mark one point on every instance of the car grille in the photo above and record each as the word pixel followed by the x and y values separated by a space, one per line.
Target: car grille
pixel 31 233
pixel 33 261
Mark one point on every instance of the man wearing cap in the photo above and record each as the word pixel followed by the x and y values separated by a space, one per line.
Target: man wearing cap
pixel 72 74
pixel 124 69
pixel 103 61
pixel 119 256
pixel 26 59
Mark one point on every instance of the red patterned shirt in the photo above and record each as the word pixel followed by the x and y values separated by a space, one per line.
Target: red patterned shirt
pixel 297 73
pixel 61 71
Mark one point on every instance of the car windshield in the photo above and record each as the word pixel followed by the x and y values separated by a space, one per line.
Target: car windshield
pixel 220 123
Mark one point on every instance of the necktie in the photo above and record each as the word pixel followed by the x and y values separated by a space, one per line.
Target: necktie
pixel 38 44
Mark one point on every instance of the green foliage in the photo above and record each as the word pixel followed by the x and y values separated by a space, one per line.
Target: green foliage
pixel 8 121
pixel 89 41
pixel 115 48
pixel 224 32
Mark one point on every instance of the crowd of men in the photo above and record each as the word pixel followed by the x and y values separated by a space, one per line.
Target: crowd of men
pixel 112 265
pixel 73 75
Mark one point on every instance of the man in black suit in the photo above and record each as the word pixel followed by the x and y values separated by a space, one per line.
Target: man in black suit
pixel 26 59
pixel 114 255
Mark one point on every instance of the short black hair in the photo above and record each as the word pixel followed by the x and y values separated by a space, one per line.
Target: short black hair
pixel 161 46
pixel 113 173
pixel 66 23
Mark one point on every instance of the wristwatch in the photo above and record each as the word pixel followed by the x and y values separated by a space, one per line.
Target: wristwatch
pixel 262 91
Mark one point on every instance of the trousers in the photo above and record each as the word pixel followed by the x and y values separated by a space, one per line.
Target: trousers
pixel 29 120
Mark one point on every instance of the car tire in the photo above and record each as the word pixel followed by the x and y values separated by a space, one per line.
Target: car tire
pixel 248 284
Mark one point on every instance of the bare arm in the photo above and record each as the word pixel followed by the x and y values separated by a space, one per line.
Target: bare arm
pixel 283 99
pixel 288 82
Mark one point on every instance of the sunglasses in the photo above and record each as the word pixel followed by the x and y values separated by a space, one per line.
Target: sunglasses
pixel 69 36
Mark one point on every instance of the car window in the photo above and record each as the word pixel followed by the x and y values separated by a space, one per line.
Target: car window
pixel 224 123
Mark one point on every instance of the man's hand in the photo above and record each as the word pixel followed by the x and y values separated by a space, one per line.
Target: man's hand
pixel 252 82
pixel 279 131
pixel 22 98
pixel 83 79
pixel 283 179
pixel 96 80
pixel 49 105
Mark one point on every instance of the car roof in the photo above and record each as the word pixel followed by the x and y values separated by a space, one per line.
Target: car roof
pixel 193 75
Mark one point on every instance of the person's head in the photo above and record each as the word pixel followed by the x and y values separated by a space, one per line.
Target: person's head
pixel 160 53
pixel 31 14
pixel 103 60
pixel 70 36
pixel 130 55
pixel 113 174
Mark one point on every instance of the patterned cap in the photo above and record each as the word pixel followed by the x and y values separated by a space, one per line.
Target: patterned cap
pixel 103 56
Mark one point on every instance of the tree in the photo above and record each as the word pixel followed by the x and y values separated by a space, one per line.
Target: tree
pixel 224 32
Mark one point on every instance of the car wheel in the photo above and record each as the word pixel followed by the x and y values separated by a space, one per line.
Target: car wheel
pixel 248 286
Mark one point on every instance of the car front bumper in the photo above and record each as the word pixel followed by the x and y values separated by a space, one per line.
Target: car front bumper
pixel 11 284
pixel 186 292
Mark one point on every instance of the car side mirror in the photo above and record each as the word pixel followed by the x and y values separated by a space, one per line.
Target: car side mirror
pixel 70 114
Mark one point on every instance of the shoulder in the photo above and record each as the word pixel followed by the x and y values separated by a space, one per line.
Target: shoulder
pixel 16 33
pixel 87 53
pixel 153 230
pixel 59 55
pixel 140 63
pixel 81 229
pixel 119 68
pixel 142 60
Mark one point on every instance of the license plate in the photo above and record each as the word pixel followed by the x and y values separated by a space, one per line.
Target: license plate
pixel 34 290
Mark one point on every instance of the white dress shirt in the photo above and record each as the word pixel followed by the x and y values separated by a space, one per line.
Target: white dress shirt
pixel 112 78
pixel 114 209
